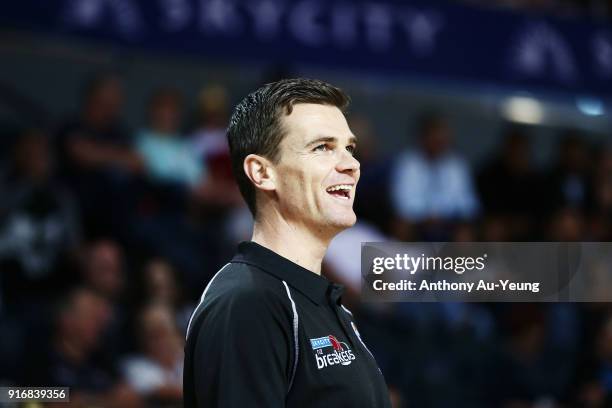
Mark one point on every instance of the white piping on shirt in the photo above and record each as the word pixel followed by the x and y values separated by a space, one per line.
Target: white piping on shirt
pixel 346 310
pixel 202 299
pixel 357 333
pixel 295 335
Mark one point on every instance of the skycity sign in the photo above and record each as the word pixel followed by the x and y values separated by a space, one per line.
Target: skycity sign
pixel 416 38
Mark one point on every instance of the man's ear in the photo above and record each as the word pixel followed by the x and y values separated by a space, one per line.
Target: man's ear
pixel 260 171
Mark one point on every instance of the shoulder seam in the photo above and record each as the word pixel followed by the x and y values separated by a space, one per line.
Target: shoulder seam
pixel 202 299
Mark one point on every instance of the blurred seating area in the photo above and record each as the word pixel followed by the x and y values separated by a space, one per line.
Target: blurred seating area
pixel 109 234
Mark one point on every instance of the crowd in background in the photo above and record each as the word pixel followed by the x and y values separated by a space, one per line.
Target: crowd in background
pixel 108 236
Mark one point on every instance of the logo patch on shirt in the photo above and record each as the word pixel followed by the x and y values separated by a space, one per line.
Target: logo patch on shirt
pixel 330 351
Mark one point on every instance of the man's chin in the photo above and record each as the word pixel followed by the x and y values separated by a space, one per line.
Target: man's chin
pixel 332 224
pixel 344 222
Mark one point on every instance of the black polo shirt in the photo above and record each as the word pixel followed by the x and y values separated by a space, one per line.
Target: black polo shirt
pixel 269 333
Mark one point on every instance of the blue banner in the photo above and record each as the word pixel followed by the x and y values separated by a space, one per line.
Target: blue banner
pixel 387 37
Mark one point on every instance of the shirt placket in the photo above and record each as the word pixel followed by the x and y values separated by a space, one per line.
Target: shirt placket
pixel 335 293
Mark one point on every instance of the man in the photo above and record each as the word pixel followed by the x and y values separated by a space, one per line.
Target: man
pixel 71 358
pixel 270 331
pixel 433 181
pixel 97 160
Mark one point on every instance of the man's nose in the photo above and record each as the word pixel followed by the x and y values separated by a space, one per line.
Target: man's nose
pixel 347 162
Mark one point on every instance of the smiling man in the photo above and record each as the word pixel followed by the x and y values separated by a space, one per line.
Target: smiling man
pixel 269 330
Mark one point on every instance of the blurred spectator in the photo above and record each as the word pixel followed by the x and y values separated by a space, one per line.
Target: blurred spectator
pixel 567 225
pixel 81 318
pixel 168 222
pixel 593 380
pixel 98 160
pixel 103 269
pixel 168 156
pixel 603 181
pixel 212 118
pixel 218 190
pixel 103 272
pixel 464 232
pixel 162 287
pixel 494 229
pixel 157 372
pixel 569 184
pixel 432 183
pixel 218 203
pixel 600 225
pixel 160 283
pixel 39 224
pixel 529 372
pixel 395 395
pixel 510 189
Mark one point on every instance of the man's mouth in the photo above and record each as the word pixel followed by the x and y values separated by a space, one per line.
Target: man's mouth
pixel 342 191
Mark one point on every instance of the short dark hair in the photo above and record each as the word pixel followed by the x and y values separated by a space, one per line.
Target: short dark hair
pixel 97 81
pixel 255 126
pixel 429 120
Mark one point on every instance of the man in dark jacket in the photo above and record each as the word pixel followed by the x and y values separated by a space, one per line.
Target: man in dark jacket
pixel 270 331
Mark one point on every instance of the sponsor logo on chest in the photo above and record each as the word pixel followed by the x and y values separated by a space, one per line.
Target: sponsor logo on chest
pixel 329 351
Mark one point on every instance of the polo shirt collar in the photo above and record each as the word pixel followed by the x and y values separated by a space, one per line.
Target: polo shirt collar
pixel 315 287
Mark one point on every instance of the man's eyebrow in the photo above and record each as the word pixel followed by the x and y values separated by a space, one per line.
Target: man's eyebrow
pixel 329 139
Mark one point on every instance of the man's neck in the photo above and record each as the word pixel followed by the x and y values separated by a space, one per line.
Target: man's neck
pixel 296 243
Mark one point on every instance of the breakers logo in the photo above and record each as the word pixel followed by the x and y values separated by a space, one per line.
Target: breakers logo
pixel 340 353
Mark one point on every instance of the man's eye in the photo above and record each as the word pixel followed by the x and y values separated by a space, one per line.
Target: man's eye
pixel 351 149
pixel 322 148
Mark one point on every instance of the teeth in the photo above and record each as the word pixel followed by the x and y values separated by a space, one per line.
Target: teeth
pixel 346 187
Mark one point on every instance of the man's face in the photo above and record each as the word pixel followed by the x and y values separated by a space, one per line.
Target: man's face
pixel 105 103
pixel 317 173
pixel 436 139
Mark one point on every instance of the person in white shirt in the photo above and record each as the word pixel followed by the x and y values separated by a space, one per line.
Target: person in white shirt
pixel 157 373
pixel 433 182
